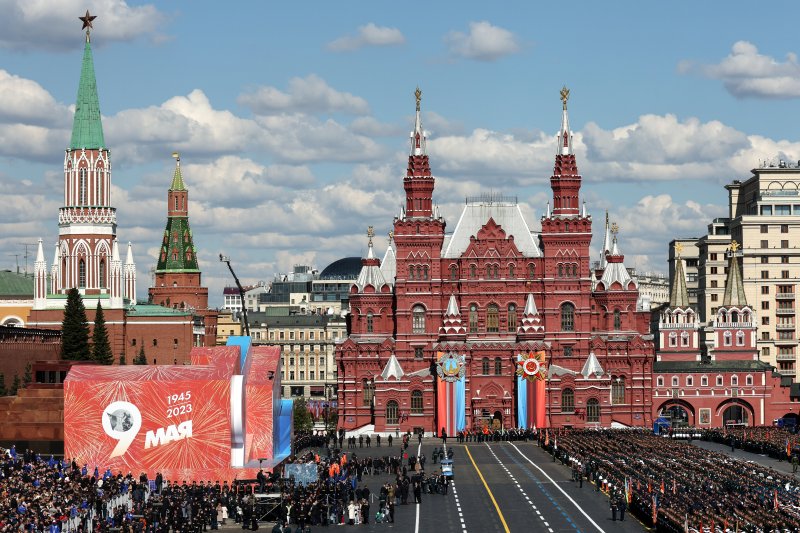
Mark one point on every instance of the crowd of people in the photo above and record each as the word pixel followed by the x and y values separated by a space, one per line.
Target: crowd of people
pixel 677 486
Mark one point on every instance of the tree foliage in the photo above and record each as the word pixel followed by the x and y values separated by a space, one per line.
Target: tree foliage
pixel 122 359
pixel 303 421
pixel 140 359
pixel 75 329
pixel 14 386
pixel 3 391
pixel 101 347
pixel 28 376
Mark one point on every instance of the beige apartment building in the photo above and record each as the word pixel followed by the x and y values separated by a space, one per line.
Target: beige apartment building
pixel 764 216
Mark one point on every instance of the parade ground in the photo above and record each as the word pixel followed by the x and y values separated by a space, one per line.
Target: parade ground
pixel 497 486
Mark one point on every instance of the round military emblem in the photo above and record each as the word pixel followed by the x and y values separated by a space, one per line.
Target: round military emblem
pixel 531 366
pixel 451 367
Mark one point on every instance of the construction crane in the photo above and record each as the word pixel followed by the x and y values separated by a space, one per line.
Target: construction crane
pixel 227 260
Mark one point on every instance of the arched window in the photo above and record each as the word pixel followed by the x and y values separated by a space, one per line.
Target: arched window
pixel 411 271
pixel 618 391
pixel 473 318
pixel 567 401
pixel 498 366
pixel 176 203
pixel 492 318
pixel 391 412
pixel 416 402
pixel 102 274
pixel 425 272
pixel 370 322
pixel 511 271
pixel 369 392
pixel 660 381
pixel 748 380
pixel 473 271
pixel 684 338
pixel 593 410
pixel 673 339
pixel 453 272
pixel 82 186
pixel 418 319
pixel 531 270
pixel 82 273
pixel 617 320
pixel 735 380
pixel 727 338
pixel 740 338
pixel 485 366
pixel 560 270
pixel 512 317
pixel 567 317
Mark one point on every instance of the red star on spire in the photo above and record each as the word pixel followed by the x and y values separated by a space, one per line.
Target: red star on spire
pixel 87 20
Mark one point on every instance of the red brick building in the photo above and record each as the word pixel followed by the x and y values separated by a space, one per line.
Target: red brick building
pixel 177 275
pixel 710 375
pixel 465 305
pixel 87 255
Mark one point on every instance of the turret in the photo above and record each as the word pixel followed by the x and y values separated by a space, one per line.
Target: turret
pixel 565 182
pixel 39 279
pixel 418 182
pixel 734 329
pixel 130 277
pixel 679 324
pixel 116 278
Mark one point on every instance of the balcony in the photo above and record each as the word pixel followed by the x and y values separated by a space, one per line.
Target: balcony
pixel 784 327
pixel 784 296
pixel 785 357
pixel 785 342
pixel 785 311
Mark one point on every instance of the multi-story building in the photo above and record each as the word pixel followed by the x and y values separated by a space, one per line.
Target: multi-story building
pixel 232 300
pixel 293 289
pixel 764 216
pixel 330 293
pixel 307 343
pixel 228 325
pixel 448 331
pixel 87 254
pixel 653 287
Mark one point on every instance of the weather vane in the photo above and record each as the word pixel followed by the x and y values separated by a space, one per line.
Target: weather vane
pixel 370 234
pixel 418 95
pixel 678 248
pixel 564 96
pixel 735 246
pixel 87 23
pixel 391 236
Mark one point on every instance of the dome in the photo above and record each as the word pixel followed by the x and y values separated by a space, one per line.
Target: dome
pixel 345 268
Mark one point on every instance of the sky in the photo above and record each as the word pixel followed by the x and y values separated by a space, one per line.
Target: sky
pixel 292 118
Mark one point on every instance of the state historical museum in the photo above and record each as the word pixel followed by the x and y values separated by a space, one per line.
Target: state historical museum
pixel 492 324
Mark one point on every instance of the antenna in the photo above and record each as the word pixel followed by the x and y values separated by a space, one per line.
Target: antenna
pixel 25 244
pixel 16 256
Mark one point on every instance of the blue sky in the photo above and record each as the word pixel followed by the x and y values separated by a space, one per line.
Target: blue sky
pixel 292 117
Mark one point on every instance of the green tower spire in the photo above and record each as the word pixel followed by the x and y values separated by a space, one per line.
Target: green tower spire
pixel 87 128
pixel 177 178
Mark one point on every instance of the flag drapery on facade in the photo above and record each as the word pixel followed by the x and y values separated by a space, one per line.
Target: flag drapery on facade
pixel 451 393
pixel 531 375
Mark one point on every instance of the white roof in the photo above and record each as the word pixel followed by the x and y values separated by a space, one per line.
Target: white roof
pixel 389 265
pixel 592 367
pixel 392 369
pixel 616 271
pixel 476 214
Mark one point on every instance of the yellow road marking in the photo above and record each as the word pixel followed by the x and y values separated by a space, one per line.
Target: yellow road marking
pixel 486 486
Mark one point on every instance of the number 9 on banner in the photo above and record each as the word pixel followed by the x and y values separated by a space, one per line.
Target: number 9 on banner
pixel 122 422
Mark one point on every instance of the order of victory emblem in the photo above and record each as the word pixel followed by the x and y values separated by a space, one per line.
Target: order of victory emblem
pixel 531 366
pixel 451 367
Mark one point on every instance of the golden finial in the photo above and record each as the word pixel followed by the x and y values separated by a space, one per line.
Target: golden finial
pixel 735 246
pixel 614 228
pixel 564 96
pixel 678 248
pixel 176 155
pixel 418 96
pixel 391 236
pixel 370 234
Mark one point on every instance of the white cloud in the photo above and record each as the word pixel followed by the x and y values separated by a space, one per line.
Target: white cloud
pixel 44 24
pixel 26 102
pixel 747 73
pixel 311 94
pixel 484 42
pixel 371 127
pixel 368 35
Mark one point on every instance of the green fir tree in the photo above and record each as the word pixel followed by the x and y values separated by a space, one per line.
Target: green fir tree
pixel 3 391
pixel 122 359
pixel 140 359
pixel 14 386
pixel 28 376
pixel 101 348
pixel 75 329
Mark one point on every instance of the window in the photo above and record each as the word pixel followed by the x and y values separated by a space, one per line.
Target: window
pixel 416 402
pixel 734 380
pixel 713 257
pixel 567 317
pixel 391 412
pixel 765 243
pixel 713 270
pixel 492 319
pixel 765 305
pixel 473 271
pixel 689 381
pixel 685 339
pixel 311 374
pixel 370 323
pixel 784 244
pixel 593 410
pixel 719 381
pixel 291 375
pixel 765 335
pixel 82 273
pixel 713 284
pixel 727 338
pixel 567 351
pixel 453 272
pixel 673 339
pixel 498 366
pixel 418 319
pixel 82 187
pixel 765 321
pixel 291 361
pixel 369 392
pixel 704 381
pixel 740 338
pixel 485 366
pixel 764 259
pixel 660 381
pixel 567 401
pixel 531 270
pixel 748 380
pixel 133 342
pixel 510 271
pixel 302 375
pixel 473 318
pixel 784 259
pixel 618 391
pixel 418 354
pixel 764 228
pixel 102 274
pixel 765 289
pixel 512 317
pixel 765 351
pixel 617 320
pixel 785 228
pixel 784 274
pixel 674 381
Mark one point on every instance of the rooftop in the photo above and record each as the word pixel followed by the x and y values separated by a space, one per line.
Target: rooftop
pixel 17 285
